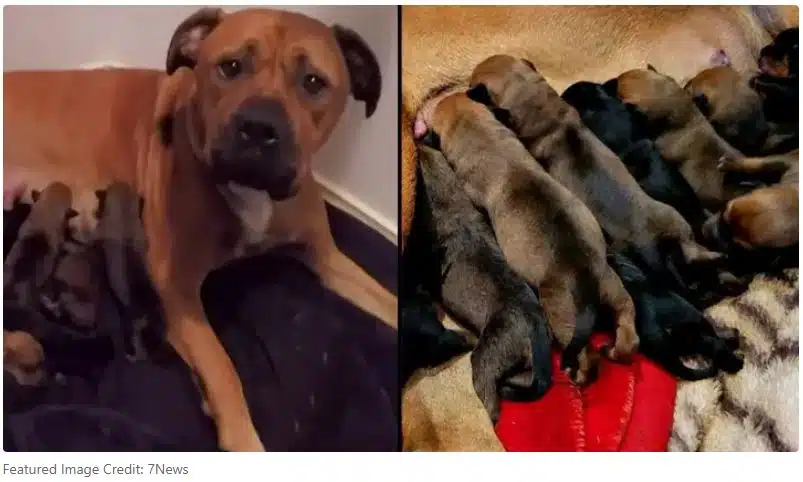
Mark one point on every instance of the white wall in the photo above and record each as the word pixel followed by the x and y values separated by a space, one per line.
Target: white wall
pixel 359 163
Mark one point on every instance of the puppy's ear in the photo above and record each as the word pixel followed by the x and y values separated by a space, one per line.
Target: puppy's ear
pixel 431 139
pixel 529 64
pixel 650 67
pixel 701 101
pixel 366 79
pixel 480 93
pixel 186 41
pixel 503 116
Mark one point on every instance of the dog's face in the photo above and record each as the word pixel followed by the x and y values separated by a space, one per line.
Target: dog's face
pixel 269 87
pixel 733 108
pixel 780 58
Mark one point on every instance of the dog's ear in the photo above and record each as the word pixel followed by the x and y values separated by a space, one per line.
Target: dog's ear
pixel 366 79
pixel 701 101
pixel 480 93
pixel 503 116
pixel 186 41
pixel 431 139
pixel 167 102
pixel 650 67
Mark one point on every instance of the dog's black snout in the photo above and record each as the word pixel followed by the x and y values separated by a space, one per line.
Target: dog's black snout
pixel 258 149
pixel 257 133
pixel 258 122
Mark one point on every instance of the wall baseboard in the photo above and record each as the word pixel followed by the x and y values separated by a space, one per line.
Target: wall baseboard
pixel 343 200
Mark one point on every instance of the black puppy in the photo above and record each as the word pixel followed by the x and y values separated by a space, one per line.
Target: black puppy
pixel 622 128
pixel 780 58
pixel 469 275
pixel 674 333
pixel 425 342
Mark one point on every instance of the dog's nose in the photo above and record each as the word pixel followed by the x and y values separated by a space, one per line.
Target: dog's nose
pixel 257 122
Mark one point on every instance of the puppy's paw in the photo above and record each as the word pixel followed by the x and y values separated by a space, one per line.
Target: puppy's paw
pixel 625 346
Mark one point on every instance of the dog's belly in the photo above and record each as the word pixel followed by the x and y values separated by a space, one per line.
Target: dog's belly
pixel 83 128
pixel 442 44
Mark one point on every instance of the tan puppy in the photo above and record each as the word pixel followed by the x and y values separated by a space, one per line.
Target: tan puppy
pixel 735 110
pixel 220 150
pixel 23 357
pixel 556 136
pixel 547 235
pixel 766 217
pixel 683 135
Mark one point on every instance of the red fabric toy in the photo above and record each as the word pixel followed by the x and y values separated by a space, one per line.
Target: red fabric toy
pixel 628 408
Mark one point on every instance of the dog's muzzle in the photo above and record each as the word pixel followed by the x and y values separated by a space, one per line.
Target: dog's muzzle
pixel 257 149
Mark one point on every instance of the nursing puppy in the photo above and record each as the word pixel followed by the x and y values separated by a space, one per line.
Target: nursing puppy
pixel 622 128
pixel 682 134
pixel 481 292
pixel 736 112
pixel 548 236
pixel 780 96
pixel 554 134
pixel 674 333
pixel 761 228
pixel 32 258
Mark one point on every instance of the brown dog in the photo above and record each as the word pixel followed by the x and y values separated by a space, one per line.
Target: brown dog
pixel 736 111
pixel 220 149
pixel 683 135
pixel 547 235
pixel 556 136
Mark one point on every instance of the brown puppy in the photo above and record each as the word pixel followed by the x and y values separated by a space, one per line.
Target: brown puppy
pixel 212 147
pixel 23 357
pixel 556 136
pixel 683 135
pixel 32 258
pixel 545 232
pixel 766 217
pixel 736 111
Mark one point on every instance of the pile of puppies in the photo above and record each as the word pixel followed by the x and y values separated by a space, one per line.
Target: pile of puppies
pixel 60 292
pixel 628 206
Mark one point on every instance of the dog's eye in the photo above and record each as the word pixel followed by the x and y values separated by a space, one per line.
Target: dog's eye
pixel 314 84
pixel 230 69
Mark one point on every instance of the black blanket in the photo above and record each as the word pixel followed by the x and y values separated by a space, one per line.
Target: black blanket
pixel 318 373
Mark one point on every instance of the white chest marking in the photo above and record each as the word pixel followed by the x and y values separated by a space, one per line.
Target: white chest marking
pixel 253 207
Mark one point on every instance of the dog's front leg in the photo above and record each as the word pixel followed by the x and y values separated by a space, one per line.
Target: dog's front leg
pixel 346 278
pixel 193 338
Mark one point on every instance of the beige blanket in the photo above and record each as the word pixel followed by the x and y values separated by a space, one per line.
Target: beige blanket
pixel 757 408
